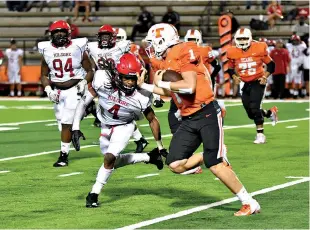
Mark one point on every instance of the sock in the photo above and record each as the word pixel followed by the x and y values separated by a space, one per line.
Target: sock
pixel 244 196
pixel 131 158
pixel 12 93
pixel 19 93
pixel 260 130
pixel 191 171
pixel 156 97
pixel 102 178
pixel 59 125
pixel 137 135
pixel 65 147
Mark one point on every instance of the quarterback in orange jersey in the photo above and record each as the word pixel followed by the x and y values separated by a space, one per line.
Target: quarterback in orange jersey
pixel 201 123
pixel 246 61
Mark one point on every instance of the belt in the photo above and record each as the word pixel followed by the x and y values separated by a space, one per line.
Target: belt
pixel 203 107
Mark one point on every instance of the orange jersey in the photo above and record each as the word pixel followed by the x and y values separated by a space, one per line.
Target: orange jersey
pixel 249 64
pixel 186 57
pixel 206 56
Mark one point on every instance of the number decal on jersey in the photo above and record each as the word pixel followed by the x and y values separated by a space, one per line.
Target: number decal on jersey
pixel 192 56
pixel 248 68
pixel 115 108
pixel 58 66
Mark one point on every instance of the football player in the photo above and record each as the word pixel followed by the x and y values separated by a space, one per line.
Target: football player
pixel 106 49
pixel 295 50
pixel 201 123
pixel 120 104
pixel 246 61
pixel 65 72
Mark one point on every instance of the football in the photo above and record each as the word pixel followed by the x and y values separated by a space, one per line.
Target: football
pixel 171 75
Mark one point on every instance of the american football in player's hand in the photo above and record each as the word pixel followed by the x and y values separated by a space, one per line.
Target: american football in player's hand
pixel 171 75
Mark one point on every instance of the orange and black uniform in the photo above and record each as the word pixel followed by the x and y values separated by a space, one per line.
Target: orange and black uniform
pixel 201 122
pixel 249 67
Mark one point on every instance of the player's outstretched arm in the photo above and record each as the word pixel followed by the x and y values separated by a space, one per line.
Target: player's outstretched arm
pixel 87 65
pixel 155 127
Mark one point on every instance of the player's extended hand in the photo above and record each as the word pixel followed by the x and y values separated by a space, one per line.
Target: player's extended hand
pixel 237 79
pixel 163 152
pixel 262 80
pixel 158 76
pixel 81 87
pixel 75 138
pixel 141 77
pixel 52 95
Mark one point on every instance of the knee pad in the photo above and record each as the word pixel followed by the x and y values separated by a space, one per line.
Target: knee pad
pixel 210 158
pixel 258 116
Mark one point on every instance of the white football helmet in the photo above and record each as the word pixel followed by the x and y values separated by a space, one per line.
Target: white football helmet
pixel 193 35
pixel 121 34
pixel 162 36
pixel 243 38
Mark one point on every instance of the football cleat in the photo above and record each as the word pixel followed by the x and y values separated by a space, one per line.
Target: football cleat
pixel 155 159
pixel 158 103
pixel 198 170
pixel 97 123
pixel 274 115
pixel 249 209
pixel 62 160
pixel 141 144
pixel 260 139
pixel 92 200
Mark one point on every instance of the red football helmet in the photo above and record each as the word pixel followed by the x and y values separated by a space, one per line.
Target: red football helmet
pixel 60 39
pixel 271 42
pixel 127 68
pixel 262 40
pixel 106 37
pixel 295 39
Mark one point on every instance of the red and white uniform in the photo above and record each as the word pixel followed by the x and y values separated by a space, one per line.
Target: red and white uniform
pixel 13 64
pixel 296 55
pixel 115 53
pixel 65 63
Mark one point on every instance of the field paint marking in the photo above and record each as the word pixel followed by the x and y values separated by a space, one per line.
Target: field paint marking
pixel 70 174
pixel 208 206
pixel 8 128
pixel 307 109
pixel 52 124
pixel 147 175
pixel 144 125
pixel 296 177
pixel 291 127
pixel 30 107
pixel 4 171
pixel 147 138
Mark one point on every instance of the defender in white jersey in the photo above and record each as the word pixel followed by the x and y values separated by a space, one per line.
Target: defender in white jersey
pixel 106 49
pixel 120 104
pixel 295 49
pixel 65 71
pixel 14 57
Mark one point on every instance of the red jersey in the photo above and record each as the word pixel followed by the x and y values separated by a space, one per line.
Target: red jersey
pixel 281 59
pixel 186 57
pixel 249 64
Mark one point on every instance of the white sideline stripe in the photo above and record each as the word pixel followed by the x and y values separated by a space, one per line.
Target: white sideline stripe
pixel 291 127
pixel 70 174
pixel 296 177
pixel 4 171
pixel 147 138
pixel 8 128
pixel 208 206
pixel 147 175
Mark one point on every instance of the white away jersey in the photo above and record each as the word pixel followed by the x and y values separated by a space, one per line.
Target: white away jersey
pixel 296 53
pixel 115 53
pixel 13 56
pixel 115 110
pixel 65 63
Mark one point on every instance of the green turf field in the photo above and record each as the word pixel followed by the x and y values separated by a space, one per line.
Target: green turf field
pixel 34 196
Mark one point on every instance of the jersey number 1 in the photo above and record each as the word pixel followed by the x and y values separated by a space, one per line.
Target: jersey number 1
pixel 57 65
pixel 114 110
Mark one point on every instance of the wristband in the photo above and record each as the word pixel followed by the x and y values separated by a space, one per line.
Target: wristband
pixel 164 84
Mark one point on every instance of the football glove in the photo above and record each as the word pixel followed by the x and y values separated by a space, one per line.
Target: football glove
pixel 163 152
pixel 81 87
pixel 75 138
pixel 52 95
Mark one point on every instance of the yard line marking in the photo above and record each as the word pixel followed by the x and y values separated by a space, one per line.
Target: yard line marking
pixel 70 174
pixel 208 206
pixel 42 153
pixel 147 175
pixel 296 177
pixel 30 107
pixel 144 125
pixel 4 171
pixel 307 109
pixel 8 128
pixel 52 124
pixel 147 138
pixel 291 127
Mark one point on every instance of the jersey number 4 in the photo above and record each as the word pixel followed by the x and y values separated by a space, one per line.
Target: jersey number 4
pixel 58 66
pixel 248 68
pixel 114 110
